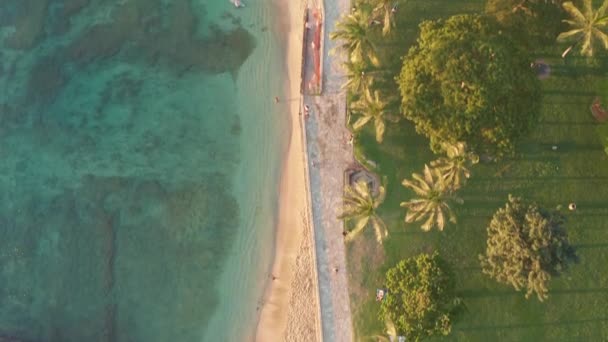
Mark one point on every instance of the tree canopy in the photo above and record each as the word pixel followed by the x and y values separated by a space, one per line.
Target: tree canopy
pixel 433 203
pixel 587 26
pixel 466 81
pixel 360 207
pixel 526 246
pixel 421 301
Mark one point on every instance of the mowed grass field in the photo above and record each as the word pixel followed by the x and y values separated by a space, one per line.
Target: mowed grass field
pixel 577 308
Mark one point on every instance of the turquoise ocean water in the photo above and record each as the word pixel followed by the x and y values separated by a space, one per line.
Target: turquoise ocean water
pixel 139 155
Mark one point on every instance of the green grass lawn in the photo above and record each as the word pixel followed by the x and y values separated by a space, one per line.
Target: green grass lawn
pixel 577 308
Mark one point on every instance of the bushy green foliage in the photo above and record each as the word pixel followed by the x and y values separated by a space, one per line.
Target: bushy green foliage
pixel 421 301
pixel 526 246
pixel 466 81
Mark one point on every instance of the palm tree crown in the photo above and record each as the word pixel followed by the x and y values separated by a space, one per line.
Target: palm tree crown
pixel 386 9
pixel 358 77
pixel 455 167
pixel 433 202
pixel 360 207
pixel 371 106
pixel 587 26
pixel 353 31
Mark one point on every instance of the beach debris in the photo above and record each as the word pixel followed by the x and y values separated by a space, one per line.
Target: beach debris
pixel 238 3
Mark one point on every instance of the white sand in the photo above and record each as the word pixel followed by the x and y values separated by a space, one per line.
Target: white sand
pixel 291 305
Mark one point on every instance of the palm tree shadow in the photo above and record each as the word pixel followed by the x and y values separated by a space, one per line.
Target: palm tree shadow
pixel 533 325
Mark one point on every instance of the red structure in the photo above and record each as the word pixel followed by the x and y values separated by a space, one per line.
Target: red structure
pixel 598 112
pixel 315 82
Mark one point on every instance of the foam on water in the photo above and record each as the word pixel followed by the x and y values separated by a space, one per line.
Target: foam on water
pixel 140 156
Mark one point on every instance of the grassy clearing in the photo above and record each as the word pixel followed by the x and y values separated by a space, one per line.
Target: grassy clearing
pixel 576 172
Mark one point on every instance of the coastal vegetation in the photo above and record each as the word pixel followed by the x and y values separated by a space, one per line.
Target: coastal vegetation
pixel 455 166
pixel 360 206
pixel 433 201
pixel 587 27
pixel 356 38
pixel 464 81
pixel 471 108
pixel 371 108
pixel 526 246
pixel 421 300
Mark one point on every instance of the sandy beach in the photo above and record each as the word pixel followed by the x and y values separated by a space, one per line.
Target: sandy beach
pixel 290 310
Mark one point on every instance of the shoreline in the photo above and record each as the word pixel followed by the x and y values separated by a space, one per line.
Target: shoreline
pixel 286 312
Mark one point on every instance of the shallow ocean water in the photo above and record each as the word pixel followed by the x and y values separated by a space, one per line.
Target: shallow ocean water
pixel 139 162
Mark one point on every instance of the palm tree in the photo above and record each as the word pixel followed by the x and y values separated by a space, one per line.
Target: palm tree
pixel 370 106
pixel 433 202
pixel 455 167
pixel 386 9
pixel 360 206
pixel 587 26
pixel 358 77
pixel 353 31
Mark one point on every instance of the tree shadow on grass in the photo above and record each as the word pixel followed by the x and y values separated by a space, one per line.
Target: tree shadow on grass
pixel 591 246
pixel 483 293
pixel 569 93
pixel 534 325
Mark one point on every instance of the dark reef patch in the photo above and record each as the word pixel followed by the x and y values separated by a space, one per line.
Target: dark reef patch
pixel 139 31
pixel 29 24
pixel 46 80
pixel 133 30
pixel 235 128
pixel 59 21
pixel 137 250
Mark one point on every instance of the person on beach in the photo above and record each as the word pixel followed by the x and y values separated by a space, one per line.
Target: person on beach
pixel 276 99
pixel 306 110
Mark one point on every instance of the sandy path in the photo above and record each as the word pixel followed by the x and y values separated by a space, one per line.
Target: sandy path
pixel 291 305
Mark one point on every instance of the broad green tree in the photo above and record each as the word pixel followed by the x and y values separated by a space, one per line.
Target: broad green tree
pixel 360 208
pixel 454 168
pixel 421 300
pixel 355 36
pixel 466 81
pixel 587 27
pixel 526 247
pixel 371 108
pixel 433 202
